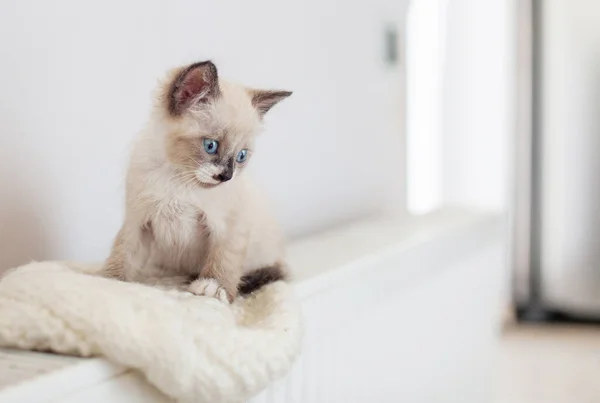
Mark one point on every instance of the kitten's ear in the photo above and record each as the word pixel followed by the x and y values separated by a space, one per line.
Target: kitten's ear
pixel 196 83
pixel 265 100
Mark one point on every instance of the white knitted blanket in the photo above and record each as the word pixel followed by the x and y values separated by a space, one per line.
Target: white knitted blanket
pixel 193 349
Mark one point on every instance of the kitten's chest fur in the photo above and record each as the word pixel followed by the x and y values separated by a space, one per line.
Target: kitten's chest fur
pixel 180 225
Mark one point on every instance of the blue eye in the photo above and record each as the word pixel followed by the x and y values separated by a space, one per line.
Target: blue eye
pixel 242 155
pixel 211 146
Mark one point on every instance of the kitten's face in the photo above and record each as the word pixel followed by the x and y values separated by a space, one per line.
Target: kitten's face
pixel 212 124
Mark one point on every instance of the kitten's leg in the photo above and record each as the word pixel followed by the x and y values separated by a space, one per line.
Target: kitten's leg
pixel 130 253
pixel 221 273
pixel 114 267
pixel 210 287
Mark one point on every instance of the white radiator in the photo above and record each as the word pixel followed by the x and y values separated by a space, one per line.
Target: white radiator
pixel 395 311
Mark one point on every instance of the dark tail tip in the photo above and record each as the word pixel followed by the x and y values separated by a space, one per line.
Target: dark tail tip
pixel 256 279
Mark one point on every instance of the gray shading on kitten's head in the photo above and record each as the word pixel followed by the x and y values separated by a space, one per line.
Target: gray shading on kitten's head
pixel 212 123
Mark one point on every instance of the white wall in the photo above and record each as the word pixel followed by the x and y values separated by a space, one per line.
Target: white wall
pixel 479 102
pixel 76 78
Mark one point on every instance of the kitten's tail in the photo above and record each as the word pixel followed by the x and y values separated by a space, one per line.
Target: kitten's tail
pixel 258 278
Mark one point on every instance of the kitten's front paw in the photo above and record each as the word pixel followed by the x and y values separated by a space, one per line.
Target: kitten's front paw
pixel 209 287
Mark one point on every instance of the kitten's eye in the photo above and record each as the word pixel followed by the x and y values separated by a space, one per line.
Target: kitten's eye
pixel 242 155
pixel 211 146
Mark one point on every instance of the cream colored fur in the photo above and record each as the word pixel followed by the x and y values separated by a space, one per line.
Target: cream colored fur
pixel 178 219
pixel 193 349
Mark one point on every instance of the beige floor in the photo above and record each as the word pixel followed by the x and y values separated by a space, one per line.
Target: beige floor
pixel 549 364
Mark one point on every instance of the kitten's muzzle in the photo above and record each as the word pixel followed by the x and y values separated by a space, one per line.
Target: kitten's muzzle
pixel 227 172
pixel 224 176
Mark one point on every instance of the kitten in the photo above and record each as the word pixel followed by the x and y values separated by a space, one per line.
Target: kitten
pixel 190 209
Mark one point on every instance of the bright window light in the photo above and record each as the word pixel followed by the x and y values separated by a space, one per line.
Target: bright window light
pixel 424 83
